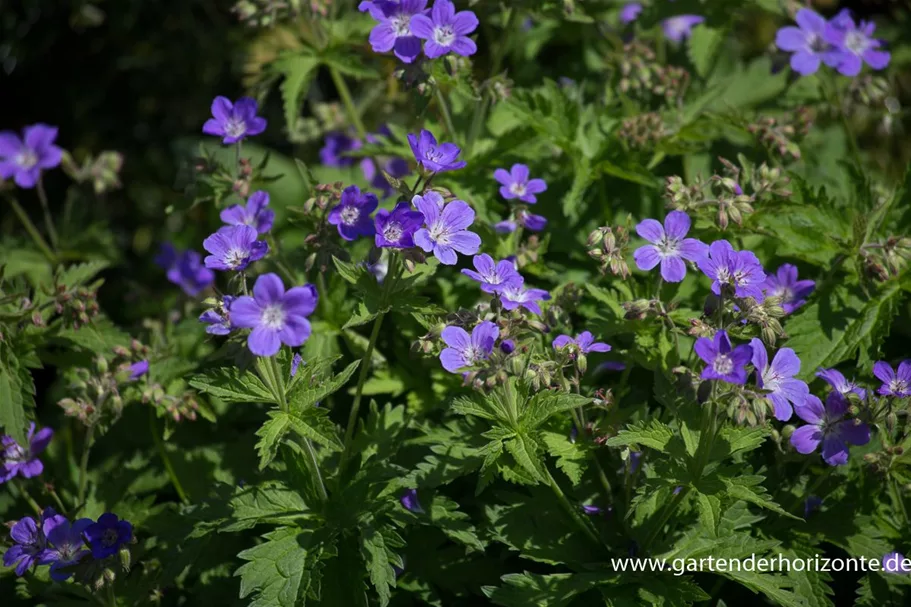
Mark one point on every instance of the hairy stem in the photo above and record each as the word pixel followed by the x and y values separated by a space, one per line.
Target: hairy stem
pixel 46 209
pixel 314 469
pixel 444 110
pixel 169 468
pixel 84 463
pixel 573 513
pixel 33 231
pixel 345 94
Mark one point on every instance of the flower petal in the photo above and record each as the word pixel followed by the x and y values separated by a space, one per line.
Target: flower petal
pixel 268 289
pixel 806 439
pixel 263 341
pixel 650 230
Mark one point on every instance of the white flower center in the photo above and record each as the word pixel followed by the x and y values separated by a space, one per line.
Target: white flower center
pixel 235 127
pixel 273 317
pixel 723 364
pixel 444 35
pixel 518 189
pixel 15 453
pixel 784 293
pixel 815 43
pixel 898 386
pixel 26 159
pixel 668 247
pixel 856 42
pixel 235 258
pixel 724 276
pixel 472 355
pixel 393 232
pixel 401 25
pixel 439 233
pixel 433 155
pixel 350 215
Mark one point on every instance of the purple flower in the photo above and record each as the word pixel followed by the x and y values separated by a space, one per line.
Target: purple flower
pixel 514 296
pixel 507 346
pixel 493 276
pixel 630 12
pixel 445 233
pixel 336 145
pixel 108 535
pixel 234 122
pixel 254 214
pixel 396 229
pixel 185 269
pixel 828 426
pixel 532 222
pixel 234 248
pixel 721 361
pixel 676 29
pixel 396 167
pixel 516 184
pixel 433 157
pixel 635 460
pixel 505 227
pixel 409 499
pixel 464 350
pixel 28 547
pixel 275 315
pixel 395 31
pixel 807 43
pixel 379 269
pixel 65 544
pixel 296 363
pixel 585 343
pixel 352 214
pixel 840 384
pixel 856 43
pixel 669 246
pixel 17 460
pixel 784 284
pixel 219 320
pixel 778 378
pixel 24 159
pixel 446 30
pixel 895 562
pixel 810 505
pixel 894 383
pixel 591 510
pixel 138 369
pixel 738 269
pixel 610 365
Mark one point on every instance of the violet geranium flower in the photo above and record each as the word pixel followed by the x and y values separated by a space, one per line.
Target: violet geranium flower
pixel 446 231
pixel 29 544
pixel 336 144
pixel 352 215
pixel 234 248
pixel 493 276
pixel 446 30
pixel 24 159
pixel 107 535
pixel 517 296
pixel 16 460
pixel 516 184
pixel 784 284
pixel 739 270
pixel 506 226
pixel 234 121
pixel 395 32
pixel 840 384
pixel 219 320
pixel 410 501
pixel 895 383
pixel 584 343
pixel 828 426
pixel 138 369
pixel 630 12
pixel 677 29
pixel 723 361
pixel 432 156
pixel 669 246
pixel 530 221
pixel 896 562
pixel 275 315
pixel 253 214
pixel 65 546
pixel 778 378
pixel 807 43
pixel 185 269
pixel 464 350
pixel 396 229
pixel 856 43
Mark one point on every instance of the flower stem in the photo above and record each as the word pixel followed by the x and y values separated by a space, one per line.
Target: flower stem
pixel 314 466
pixel 897 496
pixel 84 463
pixel 169 468
pixel 48 221
pixel 444 110
pixel 28 498
pixel 57 500
pixel 583 524
pixel 33 231
pixel 345 94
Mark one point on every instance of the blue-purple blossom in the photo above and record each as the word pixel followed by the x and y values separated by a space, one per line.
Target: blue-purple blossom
pixel 234 122
pixel 334 154
pixel 856 43
pixel 827 426
pixel 234 248
pixel 778 378
pixel 677 29
pixel 138 369
pixel 515 296
pixel 107 535
pixel 275 315
pixel 630 12
pixel 185 269
pixel 410 501
pixel 396 229
pixel 635 460
pixel 24 159
pixel 394 32
pixel 446 30
pixel 807 43
pixel 722 361
pixel 467 350
pixel 351 215
pixel 507 346
pixel 335 146
pixel 591 510
pixel 396 167
pixel 432 156
pixel 16 460
pixel 811 505
pixel 296 362
pixel 493 276
pixel 29 544
pixel 739 270
pixel 530 221
pixel 896 562
pixel 584 343
pixel 895 383
pixel 218 319
pixel 445 232
pixel 65 546
pixel 784 284
pixel 516 184
pixel 669 246
pixel 253 214
pixel 840 384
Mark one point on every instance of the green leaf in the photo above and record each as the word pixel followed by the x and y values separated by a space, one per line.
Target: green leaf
pixel 583 176
pixel 527 453
pixel 547 403
pixel 532 589
pixel 233 386
pixel 298 71
pixel 709 507
pixel 652 434
pixel 304 396
pixel 572 457
pixel 270 436
pixel 79 274
pixel 750 489
pixel 314 424
pixel 445 515
pixel 271 502
pixel 16 393
pixel 378 551
pixel 704 44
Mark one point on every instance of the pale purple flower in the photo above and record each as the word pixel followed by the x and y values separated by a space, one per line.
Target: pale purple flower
pixel 394 31
pixel 840 384
pixel 446 30
pixel 253 214
pixel 23 461
pixel 296 362
pixel 493 276
pixel 138 369
pixel 467 350
pixel 530 221
pixel 630 12
pixel 505 227
pixel 29 545
pixel 516 295
pixel 591 510
pixel 828 426
pixel 807 43
pixel 895 383
pixel 721 360
pixel 107 535
pixel 65 546
pixel 410 501
pixel 396 167
pixel 446 231
pixel 185 269
pixel 219 320
pixel 234 248
pixel 351 215
pixel 669 246
pixel 584 343
pixel 677 29
pixel 778 378
pixel 234 121
pixel 857 44
pixel 275 315
pixel 516 184
pixel 896 562
pixel 335 146
pixel 432 156
pixel 396 229
pixel 784 284
pixel 24 159
pixel 739 270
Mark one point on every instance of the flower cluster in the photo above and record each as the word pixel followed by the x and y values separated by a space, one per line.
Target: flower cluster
pixel 403 25
pixel 338 144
